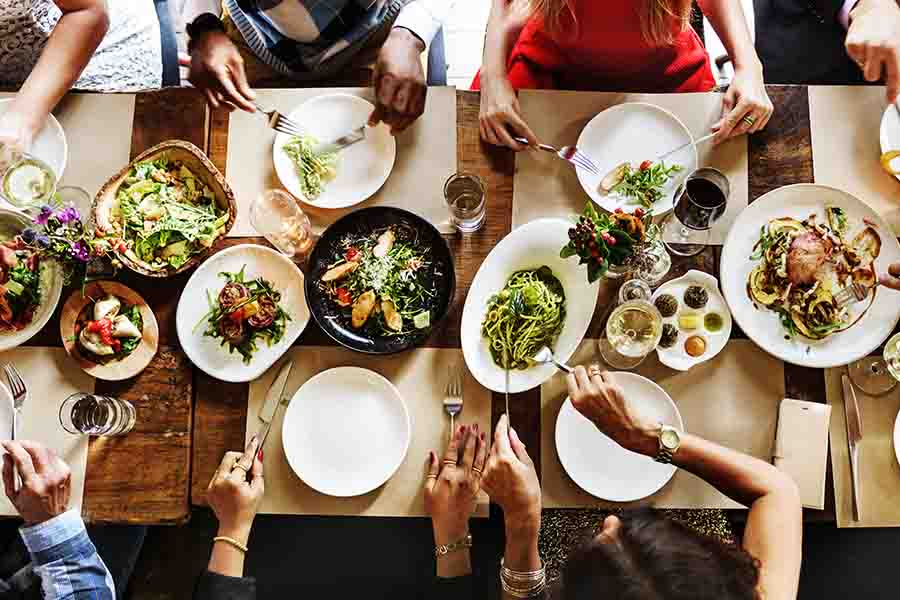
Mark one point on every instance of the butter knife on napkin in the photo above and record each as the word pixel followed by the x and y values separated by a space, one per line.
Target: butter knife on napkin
pixel 854 437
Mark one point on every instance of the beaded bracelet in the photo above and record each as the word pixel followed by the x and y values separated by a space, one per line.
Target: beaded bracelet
pixel 231 542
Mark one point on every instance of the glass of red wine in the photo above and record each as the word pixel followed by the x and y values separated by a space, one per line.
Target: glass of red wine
pixel 699 202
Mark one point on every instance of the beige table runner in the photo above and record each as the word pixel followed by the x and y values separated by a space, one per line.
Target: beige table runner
pixel 879 474
pixel 98 134
pixel 545 186
pixel 732 400
pixel 51 376
pixel 845 123
pixel 426 156
pixel 421 376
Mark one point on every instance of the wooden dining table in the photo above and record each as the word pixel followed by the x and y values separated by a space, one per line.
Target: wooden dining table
pixel 188 420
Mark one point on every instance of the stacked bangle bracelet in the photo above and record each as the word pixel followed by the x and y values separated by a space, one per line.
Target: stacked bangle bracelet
pixel 522 584
pixel 446 549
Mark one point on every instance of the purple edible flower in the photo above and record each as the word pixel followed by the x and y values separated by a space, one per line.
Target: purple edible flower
pixel 44 215
pixel 68 215
pixel 28 236
pixel 42 240
pixel 81 251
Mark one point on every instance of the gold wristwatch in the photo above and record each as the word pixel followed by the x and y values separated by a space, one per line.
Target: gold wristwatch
pixel 669 442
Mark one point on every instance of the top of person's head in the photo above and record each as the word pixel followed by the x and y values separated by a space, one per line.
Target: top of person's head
pixel 649 557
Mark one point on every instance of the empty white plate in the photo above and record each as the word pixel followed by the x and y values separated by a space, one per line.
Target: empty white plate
pixel 897 438
pixel 346 431
pixel 361 168
pixel 600 466
pixel 50 143
pixel 634 132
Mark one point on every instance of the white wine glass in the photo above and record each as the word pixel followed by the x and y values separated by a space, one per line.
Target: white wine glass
pixel 877 375
pixel 633 331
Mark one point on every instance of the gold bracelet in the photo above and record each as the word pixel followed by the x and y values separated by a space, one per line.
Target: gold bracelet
pixel 231 542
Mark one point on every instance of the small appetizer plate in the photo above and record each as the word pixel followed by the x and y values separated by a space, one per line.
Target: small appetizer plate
pixel 705 330
pixel 114 369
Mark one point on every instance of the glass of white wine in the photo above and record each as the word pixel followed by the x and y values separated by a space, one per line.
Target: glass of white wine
pixel 877 375
pixel 632 332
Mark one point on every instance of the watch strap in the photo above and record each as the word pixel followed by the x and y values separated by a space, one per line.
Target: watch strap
pixel 663 456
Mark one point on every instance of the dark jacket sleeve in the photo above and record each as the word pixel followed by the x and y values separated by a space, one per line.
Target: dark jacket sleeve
pixel 213 586
pixel 454 588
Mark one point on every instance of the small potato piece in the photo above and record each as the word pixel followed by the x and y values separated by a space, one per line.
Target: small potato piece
pixel 362 308
pixel 391 316
pixel 613 178
pixel 385 243
pixel 340 271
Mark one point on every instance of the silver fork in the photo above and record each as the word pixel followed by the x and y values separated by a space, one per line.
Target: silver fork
pixel 20 394
pixel 453 396
pixel 855 292
pixel 279 122
pixel 568 153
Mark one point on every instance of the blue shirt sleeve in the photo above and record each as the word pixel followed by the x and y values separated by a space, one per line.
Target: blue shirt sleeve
pixel 66 561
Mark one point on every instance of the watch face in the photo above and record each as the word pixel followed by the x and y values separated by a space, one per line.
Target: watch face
pixel 669 439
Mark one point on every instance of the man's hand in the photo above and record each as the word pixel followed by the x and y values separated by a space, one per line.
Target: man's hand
pixel 46 481
pixel 512 482
pixel 236 491
pixel 873 41
pixel 399 81
pixel 217 69
pixel 892 278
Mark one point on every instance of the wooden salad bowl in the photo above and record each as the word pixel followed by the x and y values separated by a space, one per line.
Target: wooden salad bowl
pixel 116 370
pixel 195 160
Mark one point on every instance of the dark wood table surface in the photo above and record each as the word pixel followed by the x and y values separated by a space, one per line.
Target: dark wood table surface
pixel 188 420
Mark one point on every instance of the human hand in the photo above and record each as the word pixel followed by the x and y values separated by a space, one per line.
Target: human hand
pixel 511 480
pixel 746 107
pixel 873 41
pixel 17 133
pixel 46 481
pixel 891 279
pixel 500 118
pixel 217 69
pixel 597 396
pixel 236 491
pixel 453 482
pixel 399 81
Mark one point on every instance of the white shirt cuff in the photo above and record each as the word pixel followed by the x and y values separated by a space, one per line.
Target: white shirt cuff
pixel 844 14
pixel 50 533
pixel 419 19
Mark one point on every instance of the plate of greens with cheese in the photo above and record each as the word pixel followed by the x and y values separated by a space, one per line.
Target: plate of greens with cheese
pixel 333 179
pixel 165 210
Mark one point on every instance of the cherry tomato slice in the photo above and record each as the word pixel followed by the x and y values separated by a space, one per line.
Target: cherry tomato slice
pixel 646 165
pixel 351 254
pixel 343 296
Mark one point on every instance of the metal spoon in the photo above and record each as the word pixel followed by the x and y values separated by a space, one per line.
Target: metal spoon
pixel 545 356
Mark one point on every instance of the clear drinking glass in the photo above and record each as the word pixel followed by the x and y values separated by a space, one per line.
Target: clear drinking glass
pixel 699 202
pixel 28 182
pixel 96 415
pixel 660 266
pixel 464 194
pixel 71 195
pixel 277 217
pixel 634 328
pixel 878 375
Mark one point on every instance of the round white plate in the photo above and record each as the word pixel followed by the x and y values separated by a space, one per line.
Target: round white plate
pixel 346 431
pixel 361 168
pixel 50 143
pixel 634 132
pixel 600 466
pixel 890 132
pixel 205 352
pixel 531 246
pixel 7 413
pixel 676 357
pixel 897 438
pixel 762 325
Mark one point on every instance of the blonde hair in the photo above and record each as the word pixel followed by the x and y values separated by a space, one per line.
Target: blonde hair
pixel 657 16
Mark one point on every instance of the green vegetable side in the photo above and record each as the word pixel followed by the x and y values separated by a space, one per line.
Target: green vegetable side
pixel 312 169
pixel 644 185
pixel 166 215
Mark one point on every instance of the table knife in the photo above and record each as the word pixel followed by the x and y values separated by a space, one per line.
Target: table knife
pixel 697 142
pixel 353 136
pixel 273 398
pixel 854 437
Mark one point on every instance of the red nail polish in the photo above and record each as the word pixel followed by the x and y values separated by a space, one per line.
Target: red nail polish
pixel 475 427
pixel 482 436
pixel 260 454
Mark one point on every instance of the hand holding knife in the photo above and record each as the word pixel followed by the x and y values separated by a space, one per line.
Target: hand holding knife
pixel 267 413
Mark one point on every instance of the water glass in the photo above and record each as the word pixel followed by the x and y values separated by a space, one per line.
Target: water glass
pixel 877 375
pixel 91 414
pixel 77 197
pixel 464 194
pixel 700 201
pixel 276 215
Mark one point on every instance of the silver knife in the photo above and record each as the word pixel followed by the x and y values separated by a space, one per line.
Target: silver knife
pixel 697 142
pixel 345 141
pixel 854 437
pixel 273 398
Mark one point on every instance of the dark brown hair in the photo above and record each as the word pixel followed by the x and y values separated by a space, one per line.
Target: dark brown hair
pixel 654 558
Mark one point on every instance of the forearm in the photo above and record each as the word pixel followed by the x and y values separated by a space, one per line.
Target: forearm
pixel 68 50
pixel 503 29
pixel 226 559
pixel 728 19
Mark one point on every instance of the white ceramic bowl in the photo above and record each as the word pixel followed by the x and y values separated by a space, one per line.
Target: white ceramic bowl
pixel 346 431
pixel 762 325
pixel 531 246
pixel 205 352
pixel 634 132
pixel 361 168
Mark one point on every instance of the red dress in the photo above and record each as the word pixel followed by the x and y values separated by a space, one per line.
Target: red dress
pixel 606 51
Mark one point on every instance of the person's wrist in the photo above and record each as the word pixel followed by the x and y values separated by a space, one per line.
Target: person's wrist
pixel 749 64
pixel 448 533
pixel 405 37
pixel 523 524
pixel 237 532
pixel 643 440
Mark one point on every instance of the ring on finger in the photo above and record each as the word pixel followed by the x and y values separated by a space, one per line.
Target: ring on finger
pixel 431 477
pixel 748 120
pixel 449 463
pixel 476 470
pixel 239 466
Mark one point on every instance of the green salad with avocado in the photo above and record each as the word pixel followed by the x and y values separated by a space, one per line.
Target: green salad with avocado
pixel 165 215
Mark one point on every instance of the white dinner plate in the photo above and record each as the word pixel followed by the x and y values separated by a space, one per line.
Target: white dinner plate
pixel 600 466
pixel 50 143
pixel 205 352
pixel 890 133
pixel 346 431
pixel 762 325
pixel 897 438
pixel 531 246
pixel 634 132
pixel 7 413
pixel 361 168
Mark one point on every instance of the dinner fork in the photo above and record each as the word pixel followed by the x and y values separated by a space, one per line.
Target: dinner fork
pixel 568 153
pixel 279 122
pixel 453 396
pixel 19 393
pixel 855 292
